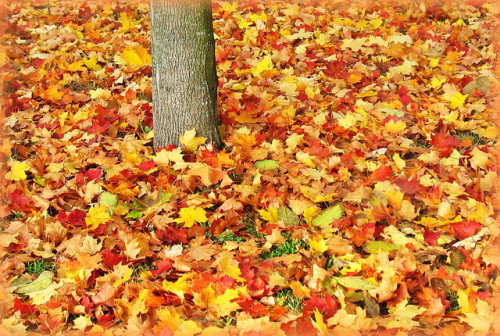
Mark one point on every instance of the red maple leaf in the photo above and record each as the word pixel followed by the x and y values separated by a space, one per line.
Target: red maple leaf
pixel 379 174
pixel 75 218
pixel 465 229
pixel 111 259
pixel 326 305
pixel 173 235
pixel 408 186
pixel 24 308
pixel 430 237
pixel 162 266
pixel 18 201
pixel 444 143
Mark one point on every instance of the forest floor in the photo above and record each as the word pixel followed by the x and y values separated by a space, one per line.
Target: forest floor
pixel 356 193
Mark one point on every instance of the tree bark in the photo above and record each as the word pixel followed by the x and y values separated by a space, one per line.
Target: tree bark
pixel 184 74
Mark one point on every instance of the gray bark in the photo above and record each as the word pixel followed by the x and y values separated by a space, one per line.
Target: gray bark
pixel 184 74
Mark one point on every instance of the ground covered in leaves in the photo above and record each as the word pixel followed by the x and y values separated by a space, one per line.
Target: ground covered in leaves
pixel 356 192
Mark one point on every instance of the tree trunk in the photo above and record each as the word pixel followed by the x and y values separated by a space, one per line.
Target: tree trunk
pixel 184 74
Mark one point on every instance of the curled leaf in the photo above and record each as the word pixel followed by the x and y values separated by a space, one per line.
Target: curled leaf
pixel 266 164
pixel 375 246
pixel 355 282
pixel 43 281
pixel 327 216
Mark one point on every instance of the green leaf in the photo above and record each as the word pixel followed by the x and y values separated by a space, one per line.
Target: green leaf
pixel 108 199
pixel 355 282
pixel 375 246
pixel 43 281
pixel 39 180
pixel 327 216
pixel 266 164
pixel 288 216
pixel 134 214
pixel 391 111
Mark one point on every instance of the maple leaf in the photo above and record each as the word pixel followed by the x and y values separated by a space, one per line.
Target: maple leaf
pixel 403 316
pixel 265 64
pixel 18 171
pixel 75 66
pixel 465 229
pixel 96 216
pixel 325 305
pixel 136 56
pixel 191 141
pixel 395 127
pixel 190 215
pixel 91 63
pixel 165 158
pixel 223 304
pixel 53 93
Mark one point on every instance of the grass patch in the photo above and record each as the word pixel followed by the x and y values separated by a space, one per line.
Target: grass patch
pixel 250 227
pixel 452 297
pixel 290 246
pixel 227 235
pixel 39 266
pixel 473 137
pixel 226 321
pixel 287 299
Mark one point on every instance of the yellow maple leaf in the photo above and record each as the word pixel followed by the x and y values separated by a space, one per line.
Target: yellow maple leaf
pixel 18 171
pixel 191 141
pixel 435 83
pixel 433 62
pixel 457 100
pixel 317 245
pixel 318 323
pixel 270 215
pixel 230 268
pixel 190 215
pixel 309 213
pixel 165 158
pixel 180 286
pixel 229 7
pixel 76 66
pixel 395 127
pixel 483 319
pixel 54 93
pixel 375 23
pixel 126 22
pixel 91 63
pixel 222 303
pixel 265 64
pixel 100 93
pixel 403 316
pixel 168 317
pixel 136 56
pixel 96 216
pixel 480 159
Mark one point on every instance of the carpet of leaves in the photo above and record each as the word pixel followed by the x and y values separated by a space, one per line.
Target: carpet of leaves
pixel 356 193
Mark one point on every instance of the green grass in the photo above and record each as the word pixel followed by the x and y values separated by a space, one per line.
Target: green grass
pixel 452 297
pixel 287 299
pixel 227 235
pixel 39 266
pixel 250 227
pixel 473 137
pixel 290 246
pixel 225 321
